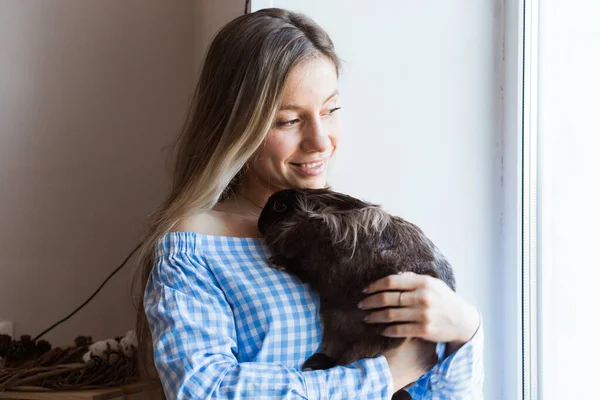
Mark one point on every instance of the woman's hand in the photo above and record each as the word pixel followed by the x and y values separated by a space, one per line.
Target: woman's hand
pixel 428 308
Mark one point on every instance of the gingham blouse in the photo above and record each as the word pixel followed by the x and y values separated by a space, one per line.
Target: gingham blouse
pixel 227 326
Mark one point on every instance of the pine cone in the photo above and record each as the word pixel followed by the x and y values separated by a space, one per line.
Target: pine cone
pixel 29 345
pixel 83 341
pixel 42 347
pixel 5 341
pixel 16 351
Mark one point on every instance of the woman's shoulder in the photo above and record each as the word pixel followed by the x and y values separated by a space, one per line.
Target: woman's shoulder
pixel 208 223
pixel 206 232
pixel 218 223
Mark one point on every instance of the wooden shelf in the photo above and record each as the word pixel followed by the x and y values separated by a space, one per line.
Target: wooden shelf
pixel 134 391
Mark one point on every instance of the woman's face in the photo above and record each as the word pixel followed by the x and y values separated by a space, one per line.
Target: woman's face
pixel 304 135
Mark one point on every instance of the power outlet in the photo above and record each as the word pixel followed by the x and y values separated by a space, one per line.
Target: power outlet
pixel 6 328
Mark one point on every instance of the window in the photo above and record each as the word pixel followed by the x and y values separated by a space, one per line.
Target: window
pixel 561 198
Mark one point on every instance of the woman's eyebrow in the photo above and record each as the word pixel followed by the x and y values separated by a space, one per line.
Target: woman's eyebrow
pixel 295 107
pixel 335 93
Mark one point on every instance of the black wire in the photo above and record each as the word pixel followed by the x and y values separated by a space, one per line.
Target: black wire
pixel 246 11
pixel 92 296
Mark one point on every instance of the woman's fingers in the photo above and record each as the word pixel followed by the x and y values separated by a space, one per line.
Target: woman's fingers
pixel 420 306
pixel 396 315
pixel 394 299
pixel 405 330
pixel 403 281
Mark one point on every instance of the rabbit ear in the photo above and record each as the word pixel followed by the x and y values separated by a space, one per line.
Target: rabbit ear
pixel 431 272
pixel 445 273
pixel 441 269
pixel 338 200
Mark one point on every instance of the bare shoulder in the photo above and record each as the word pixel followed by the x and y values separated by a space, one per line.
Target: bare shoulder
pixel 218 223
pixel 207 222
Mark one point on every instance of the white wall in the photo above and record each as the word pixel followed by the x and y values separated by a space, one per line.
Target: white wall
pixel 90 93
pixel 508 310
pixel 422 109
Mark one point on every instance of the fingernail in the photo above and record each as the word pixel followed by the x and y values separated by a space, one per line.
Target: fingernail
pixel 366 318
pixel 365 290
pixel 360 305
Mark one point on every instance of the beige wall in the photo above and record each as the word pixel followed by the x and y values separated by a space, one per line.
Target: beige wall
pixel 210 16
pixel 90 94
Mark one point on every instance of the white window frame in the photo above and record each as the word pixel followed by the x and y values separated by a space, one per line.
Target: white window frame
pixel 529 139
pixel 519 222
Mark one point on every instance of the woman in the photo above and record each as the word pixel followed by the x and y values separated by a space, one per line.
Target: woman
pixel 225 325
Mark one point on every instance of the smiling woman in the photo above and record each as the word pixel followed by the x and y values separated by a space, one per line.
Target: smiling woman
pixel 304 137
pixel 223 323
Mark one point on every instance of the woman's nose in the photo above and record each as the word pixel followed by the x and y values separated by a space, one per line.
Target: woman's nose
pixel 316 138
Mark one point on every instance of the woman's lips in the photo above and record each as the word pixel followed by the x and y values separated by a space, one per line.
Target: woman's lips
pixel 311 169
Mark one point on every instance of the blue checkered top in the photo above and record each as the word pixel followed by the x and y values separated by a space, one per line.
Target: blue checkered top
pixel 227 326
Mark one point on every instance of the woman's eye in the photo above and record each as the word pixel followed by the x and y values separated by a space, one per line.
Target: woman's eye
pixel 295 121
pixel 288 123
pixel 279 207
pixel 332 110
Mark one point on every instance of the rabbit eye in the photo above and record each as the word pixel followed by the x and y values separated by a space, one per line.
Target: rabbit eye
pixel 279 207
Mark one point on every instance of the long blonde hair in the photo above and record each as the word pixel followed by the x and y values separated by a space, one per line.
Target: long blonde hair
pixel 237 95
